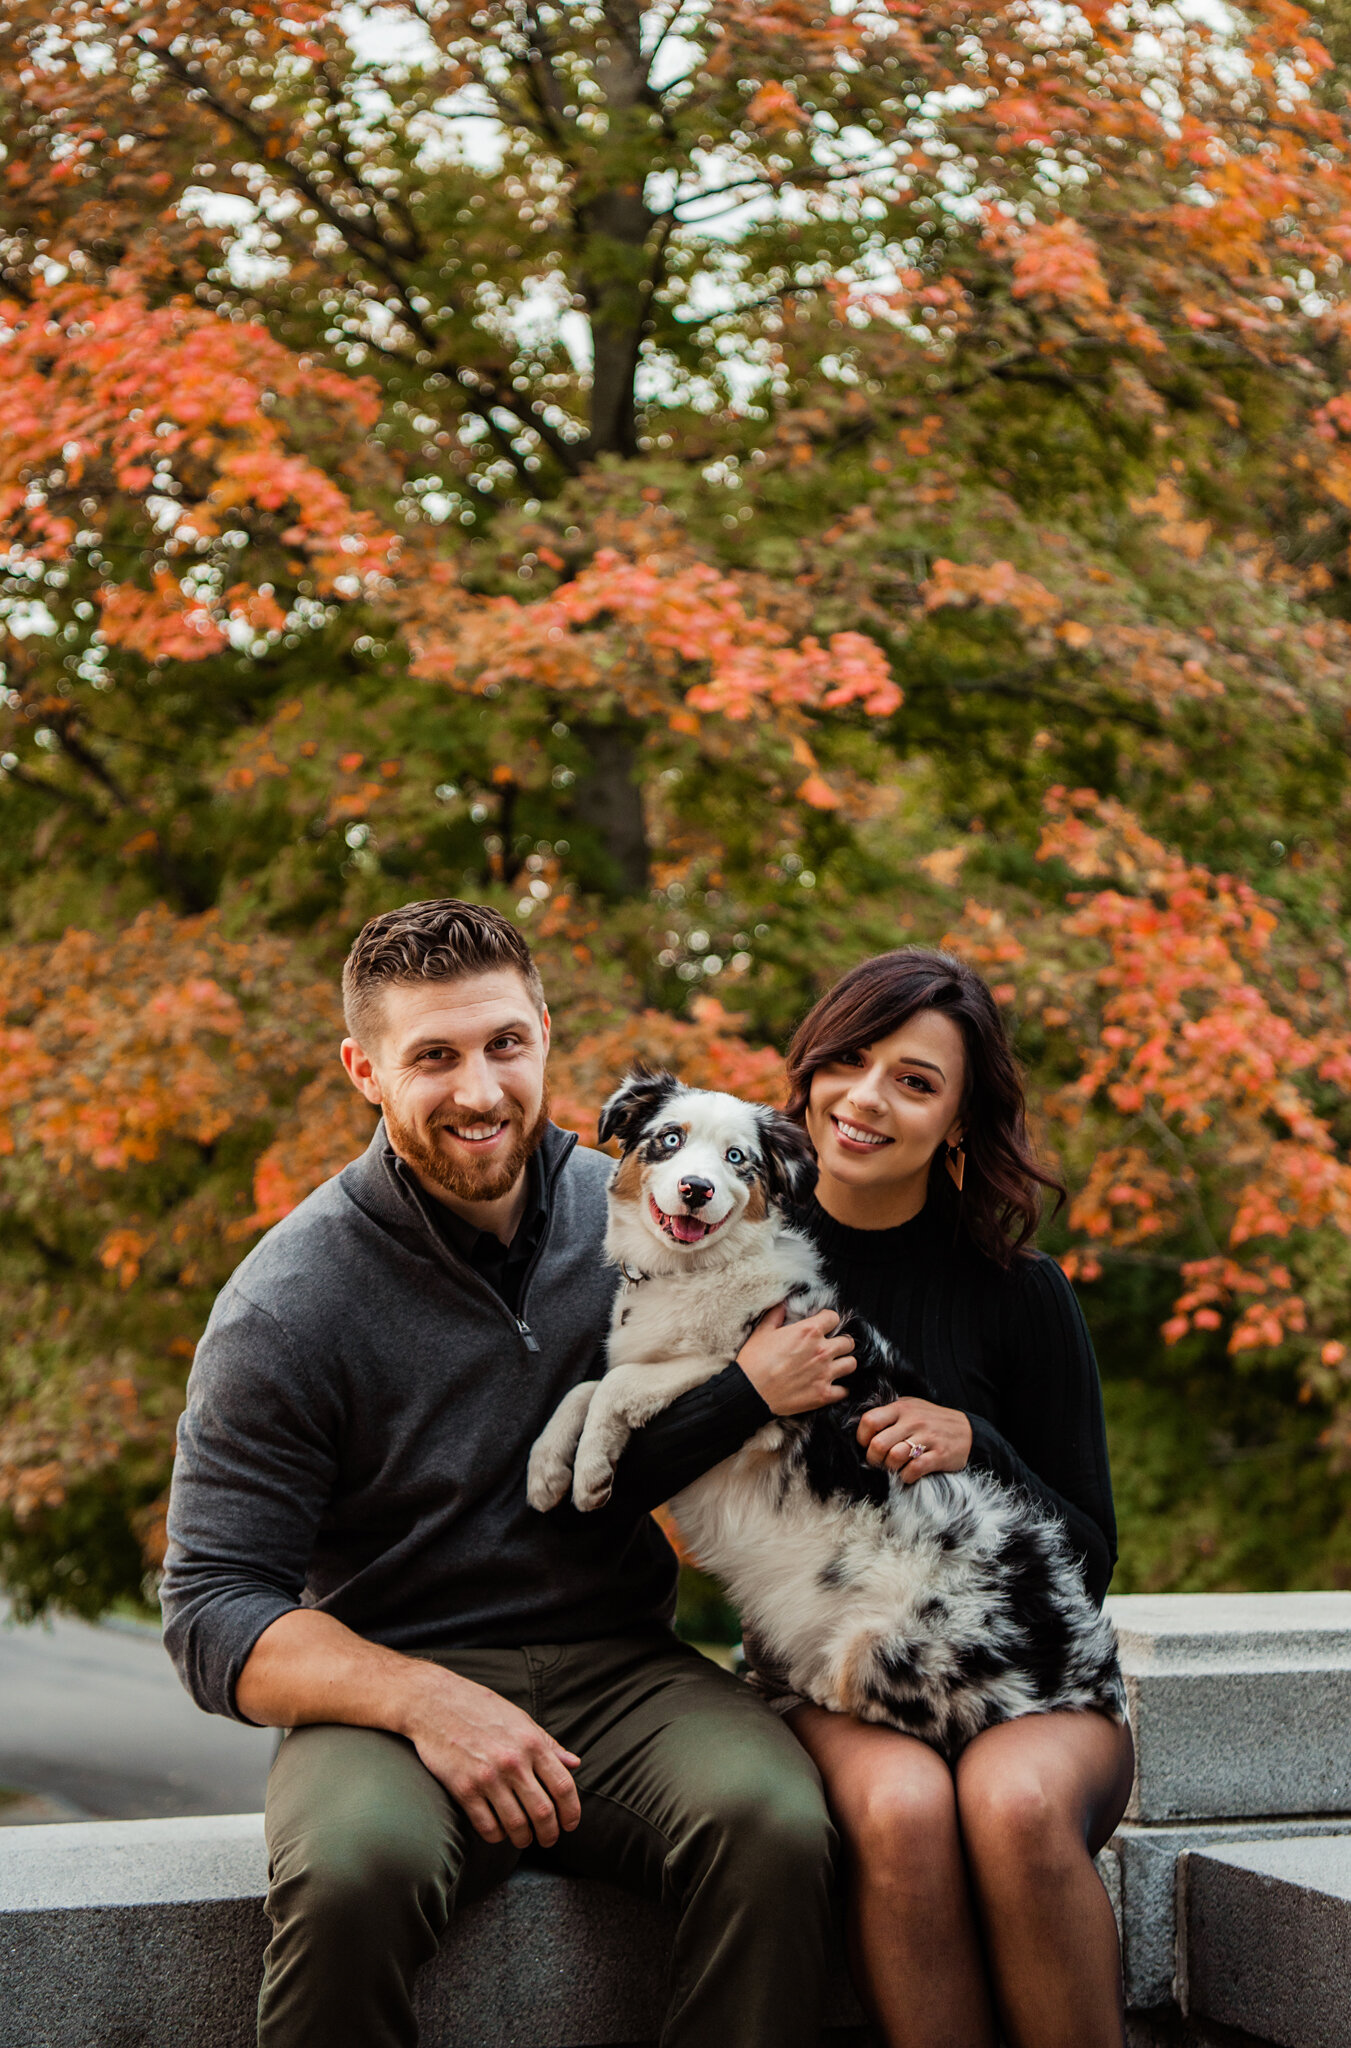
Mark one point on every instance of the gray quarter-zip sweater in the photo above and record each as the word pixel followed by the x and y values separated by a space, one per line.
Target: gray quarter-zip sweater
pixel 359 1416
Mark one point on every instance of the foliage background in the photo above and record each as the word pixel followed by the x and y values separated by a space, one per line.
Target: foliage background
pixel 737 486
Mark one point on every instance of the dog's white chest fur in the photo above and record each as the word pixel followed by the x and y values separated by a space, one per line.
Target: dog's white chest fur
pixel 718 1305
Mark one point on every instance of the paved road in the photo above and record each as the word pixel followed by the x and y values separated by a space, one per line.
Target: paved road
pixel 95 1726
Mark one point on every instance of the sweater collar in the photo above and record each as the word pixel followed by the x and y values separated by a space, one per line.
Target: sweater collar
pixel 379 1183
pixel 902 1241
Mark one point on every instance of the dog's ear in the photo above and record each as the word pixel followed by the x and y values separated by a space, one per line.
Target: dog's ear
pixel 788 1160
pixel 635 1101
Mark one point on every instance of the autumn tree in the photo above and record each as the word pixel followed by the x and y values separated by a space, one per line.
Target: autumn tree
pixel 737 485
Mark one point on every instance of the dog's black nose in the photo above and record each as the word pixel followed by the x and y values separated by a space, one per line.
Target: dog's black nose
pixel 695 1191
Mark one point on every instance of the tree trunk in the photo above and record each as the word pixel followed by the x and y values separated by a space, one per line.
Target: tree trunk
pixel 616 264
pixel 615 286
pixel 609 800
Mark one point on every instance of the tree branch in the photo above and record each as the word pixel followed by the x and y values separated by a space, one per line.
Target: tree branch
pixel 538 68
pixel 1017 364
pixel 414 247
pixel 52 1253
pixel 507 110
pixel 651 287
pixel 1010 682
pixel 665 30
pixel 63 725
pixel 193 76
pixel 25 779
pixel 372 248
pixel 1184 1175
pixel 807 174
pixel 787 291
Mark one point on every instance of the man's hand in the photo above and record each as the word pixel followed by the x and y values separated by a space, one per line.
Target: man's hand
pixel 914 1437
pixel 794 1367
pixel 509 1775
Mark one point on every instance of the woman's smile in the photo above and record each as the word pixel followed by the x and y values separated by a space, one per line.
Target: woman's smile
pixel 857 1137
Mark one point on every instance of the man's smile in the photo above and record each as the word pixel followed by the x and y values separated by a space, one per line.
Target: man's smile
pixel 478 1136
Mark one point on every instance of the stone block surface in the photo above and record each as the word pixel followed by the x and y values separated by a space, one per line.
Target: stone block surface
pixel 1240 1703
pixel 1266 1938
pixel 108 1864
pixel 1170 2030
pixel 129 1934
pixel 1147 1859
pixel 150 1934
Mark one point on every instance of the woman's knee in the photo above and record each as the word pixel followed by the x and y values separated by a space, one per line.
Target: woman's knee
pixel 900 1824
pixel 1021 1816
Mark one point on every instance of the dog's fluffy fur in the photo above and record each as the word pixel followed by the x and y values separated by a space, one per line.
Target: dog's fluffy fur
pixel 939 1608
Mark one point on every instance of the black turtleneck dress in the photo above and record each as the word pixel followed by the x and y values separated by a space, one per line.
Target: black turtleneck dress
pixel 1010 1349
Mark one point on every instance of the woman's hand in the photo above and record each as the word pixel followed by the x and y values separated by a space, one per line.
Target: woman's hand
pixel 795 1367
pixel 914 1437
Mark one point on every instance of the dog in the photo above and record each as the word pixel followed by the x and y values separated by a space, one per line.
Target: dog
pixel 939 1608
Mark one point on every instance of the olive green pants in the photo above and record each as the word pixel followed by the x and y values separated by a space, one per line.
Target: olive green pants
pixel 691 1792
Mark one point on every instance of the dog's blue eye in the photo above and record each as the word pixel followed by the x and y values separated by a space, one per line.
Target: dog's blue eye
pixel 671 1140
pixel 735 1158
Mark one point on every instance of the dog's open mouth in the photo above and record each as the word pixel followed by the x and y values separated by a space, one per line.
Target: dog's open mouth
pixel 684 1229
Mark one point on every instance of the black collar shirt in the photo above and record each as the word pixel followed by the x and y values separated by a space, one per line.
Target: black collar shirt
pixel 503 1266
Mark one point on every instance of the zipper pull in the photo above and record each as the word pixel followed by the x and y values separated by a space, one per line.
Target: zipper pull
pixel 528 1335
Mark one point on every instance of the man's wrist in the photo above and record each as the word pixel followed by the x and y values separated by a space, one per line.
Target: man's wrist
pixel 422 1687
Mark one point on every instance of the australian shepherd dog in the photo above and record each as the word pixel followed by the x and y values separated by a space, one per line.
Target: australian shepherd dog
pixel 939 1608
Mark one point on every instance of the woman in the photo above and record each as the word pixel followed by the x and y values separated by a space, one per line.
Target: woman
pixel 972 1887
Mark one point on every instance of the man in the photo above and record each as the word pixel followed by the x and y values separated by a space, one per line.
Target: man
pixel 352 1557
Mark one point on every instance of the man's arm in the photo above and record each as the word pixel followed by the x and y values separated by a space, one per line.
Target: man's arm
pixel 510 1776
pixel 257 1463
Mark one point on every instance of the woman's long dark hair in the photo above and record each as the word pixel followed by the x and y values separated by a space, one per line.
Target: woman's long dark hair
pixel 1001 1201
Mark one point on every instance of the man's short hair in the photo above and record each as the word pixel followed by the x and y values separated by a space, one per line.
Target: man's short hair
pixel 440 941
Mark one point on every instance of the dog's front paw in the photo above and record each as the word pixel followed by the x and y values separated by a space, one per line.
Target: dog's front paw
pixel 593 1483
pixel 547 1479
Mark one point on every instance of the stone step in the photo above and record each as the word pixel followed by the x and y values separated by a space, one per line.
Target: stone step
pixel 1147 1861
pixel 1240 1704
pixel 1265 1938
pixel 153 1932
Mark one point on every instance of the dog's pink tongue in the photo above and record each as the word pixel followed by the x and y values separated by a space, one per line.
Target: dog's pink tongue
pixel 687 1229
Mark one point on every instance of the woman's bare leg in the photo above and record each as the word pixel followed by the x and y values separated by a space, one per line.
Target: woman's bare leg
pixel 913 1940
pixel 1037 1798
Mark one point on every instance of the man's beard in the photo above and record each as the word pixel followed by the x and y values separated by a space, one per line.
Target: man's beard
pixel 472 1180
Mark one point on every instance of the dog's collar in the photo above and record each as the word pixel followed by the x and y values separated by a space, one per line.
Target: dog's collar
pixel 634 1279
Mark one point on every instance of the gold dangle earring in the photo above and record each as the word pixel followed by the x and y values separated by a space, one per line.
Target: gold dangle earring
pixel 956 1163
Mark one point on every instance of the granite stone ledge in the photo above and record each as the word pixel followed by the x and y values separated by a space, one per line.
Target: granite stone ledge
pixel 150 1934
pixel 1169 2029
pixel 105 1865
pixel 1147 1860
pixel 1240 1704
pixel 1265 1941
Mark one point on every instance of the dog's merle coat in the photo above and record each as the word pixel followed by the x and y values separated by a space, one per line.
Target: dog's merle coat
pixel 941 1607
